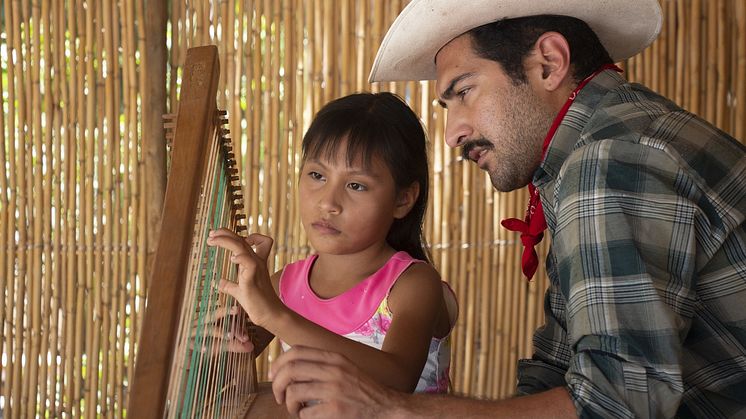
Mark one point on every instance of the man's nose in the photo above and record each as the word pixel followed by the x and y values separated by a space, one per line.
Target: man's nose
pixel 457 130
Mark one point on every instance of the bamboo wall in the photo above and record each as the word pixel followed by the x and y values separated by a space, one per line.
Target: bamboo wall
pixel 82 173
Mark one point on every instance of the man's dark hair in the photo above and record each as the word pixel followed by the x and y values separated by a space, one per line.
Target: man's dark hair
pixel 509 41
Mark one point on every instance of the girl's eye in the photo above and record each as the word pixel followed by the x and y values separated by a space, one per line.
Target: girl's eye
pixel 315 175
pixel 357 186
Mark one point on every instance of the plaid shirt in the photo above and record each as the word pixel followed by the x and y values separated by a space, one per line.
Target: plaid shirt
pixel 646 311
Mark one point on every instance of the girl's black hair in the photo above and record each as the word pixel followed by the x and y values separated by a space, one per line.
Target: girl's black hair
pixel 379 125
pixel 509 41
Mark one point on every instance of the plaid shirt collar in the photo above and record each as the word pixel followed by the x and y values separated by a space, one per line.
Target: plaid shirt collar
pixel 569 134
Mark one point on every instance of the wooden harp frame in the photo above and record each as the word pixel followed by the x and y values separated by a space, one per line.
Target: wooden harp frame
pixel 196 122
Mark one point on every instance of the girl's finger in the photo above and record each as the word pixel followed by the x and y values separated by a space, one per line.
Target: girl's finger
pixel 221 232
pixel 217 313
pixel 247 265
pixel 228 240
pixel 229 287
pixel 239 346
pixel 225 311
pixel 261 244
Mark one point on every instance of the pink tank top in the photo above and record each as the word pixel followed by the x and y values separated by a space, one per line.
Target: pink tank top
pixel 362 313
pixel 348 311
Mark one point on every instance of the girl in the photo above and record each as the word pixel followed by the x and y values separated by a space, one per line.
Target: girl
pixel 369 292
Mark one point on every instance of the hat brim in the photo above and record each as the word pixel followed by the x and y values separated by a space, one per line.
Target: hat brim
pixel 407 52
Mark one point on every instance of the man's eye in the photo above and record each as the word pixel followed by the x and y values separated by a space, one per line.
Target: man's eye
pixel 356 186
pixel 461 93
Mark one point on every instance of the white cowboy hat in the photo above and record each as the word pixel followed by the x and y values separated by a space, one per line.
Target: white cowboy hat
pixel 625 27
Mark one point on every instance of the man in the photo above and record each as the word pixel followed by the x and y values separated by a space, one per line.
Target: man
pixel 644 202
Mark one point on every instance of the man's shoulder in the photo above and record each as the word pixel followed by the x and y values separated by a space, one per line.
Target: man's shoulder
pixel 628 109
pixel 633 112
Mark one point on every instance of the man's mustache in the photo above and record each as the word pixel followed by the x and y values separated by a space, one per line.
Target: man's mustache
pixel 467 147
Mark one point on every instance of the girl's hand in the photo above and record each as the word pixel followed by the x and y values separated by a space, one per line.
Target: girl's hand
pixel 253 291
pixel 228 329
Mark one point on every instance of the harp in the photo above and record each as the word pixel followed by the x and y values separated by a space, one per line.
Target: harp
pixel 181 370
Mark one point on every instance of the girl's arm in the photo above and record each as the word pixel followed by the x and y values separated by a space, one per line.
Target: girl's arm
pixel 263 337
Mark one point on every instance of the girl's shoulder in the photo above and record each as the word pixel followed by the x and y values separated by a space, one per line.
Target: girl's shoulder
pixel 421 270
pixel 419 279
pixel 420 289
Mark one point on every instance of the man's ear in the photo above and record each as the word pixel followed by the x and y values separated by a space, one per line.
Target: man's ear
pixel 405 200
pixel 552 60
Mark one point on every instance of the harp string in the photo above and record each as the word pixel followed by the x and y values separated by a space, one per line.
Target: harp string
pixel 211 382
pixel 209 303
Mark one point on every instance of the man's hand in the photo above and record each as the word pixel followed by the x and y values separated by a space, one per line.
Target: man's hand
pixel 318 384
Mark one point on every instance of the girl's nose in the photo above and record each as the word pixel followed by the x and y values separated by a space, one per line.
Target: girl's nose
pixel 329 201
pixel 458 129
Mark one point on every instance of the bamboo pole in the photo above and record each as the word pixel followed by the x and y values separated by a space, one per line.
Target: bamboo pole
pixel 6 254
pixel 723 65
pixel 273 164
pixel 70 204
pixel 740 72
pixel 326 65
pixel 360 31
pixel 83 226
pixel 516 208
pixel 671 46
pixel 267 118
pixel 255 150
pixel 154 105
pixel 201 13
pixel 108 164
pixel 462 182
pixel 654 77
pixel 299 243
pixel 345 47
pixel 681 39
pixel 88 267
pixel 137 290
pixel 8 194
pixel 499 295
pixel 694 50
pixel 285 130
pixel 22 346
pixel 660 57
pixel 711 60
pixel 316 55
pixel 502 297
pixel 482 271
pixel 101 262
pixel 47 265
pixel 36 159
pixel 374 37
pixel 60 255
pixel 116 307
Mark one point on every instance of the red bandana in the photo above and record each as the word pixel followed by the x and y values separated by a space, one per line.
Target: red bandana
pixel 533 226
